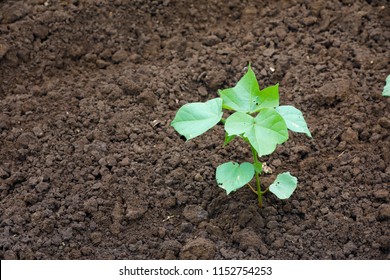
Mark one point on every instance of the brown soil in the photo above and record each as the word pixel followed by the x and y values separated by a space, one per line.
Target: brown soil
pixel 91 169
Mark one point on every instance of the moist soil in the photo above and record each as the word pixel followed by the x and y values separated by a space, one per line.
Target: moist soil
pixel 90 167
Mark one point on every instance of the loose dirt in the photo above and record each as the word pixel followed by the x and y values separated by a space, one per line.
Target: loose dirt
pixel 91 169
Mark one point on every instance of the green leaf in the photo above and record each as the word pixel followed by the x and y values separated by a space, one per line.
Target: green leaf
pixel 232 176
pixel 244 96
pixel 264 131
pixel 269 130
pixel 193 119
pixel 386 89
pixel 269 97
pixel 284 185
pixel 294 119
pixel 238 123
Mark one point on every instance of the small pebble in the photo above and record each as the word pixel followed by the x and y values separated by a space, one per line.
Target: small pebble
pixel 198 177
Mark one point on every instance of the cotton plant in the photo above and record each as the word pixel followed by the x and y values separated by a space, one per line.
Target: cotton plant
pixel 258 120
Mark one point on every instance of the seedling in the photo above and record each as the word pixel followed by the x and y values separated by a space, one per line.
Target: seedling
pixel 258 120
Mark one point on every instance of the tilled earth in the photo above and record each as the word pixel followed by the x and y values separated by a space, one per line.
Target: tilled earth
pixel 91 169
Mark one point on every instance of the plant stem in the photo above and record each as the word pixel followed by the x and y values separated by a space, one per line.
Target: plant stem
pixel 253 190
pixel 259 191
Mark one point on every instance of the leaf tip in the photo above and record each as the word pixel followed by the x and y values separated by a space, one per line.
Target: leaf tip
pixel 386 89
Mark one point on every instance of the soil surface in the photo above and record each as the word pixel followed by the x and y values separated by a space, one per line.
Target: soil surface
pixel 91 169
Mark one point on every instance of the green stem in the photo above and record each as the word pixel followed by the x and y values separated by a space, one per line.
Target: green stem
pixel 259 191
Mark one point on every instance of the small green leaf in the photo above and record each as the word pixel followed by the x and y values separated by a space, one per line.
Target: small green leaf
pixel 294 119
pixel 228 139
pixel 269 97
pixel 244 96
pixel 284 185
pixel 264 131
pixel 193 119
pixel 238 123
pixel 232 176
pixel 269 129
pixel 258 167
pixel 386 89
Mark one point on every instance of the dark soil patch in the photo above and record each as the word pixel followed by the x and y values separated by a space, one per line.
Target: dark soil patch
pixel 91 169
